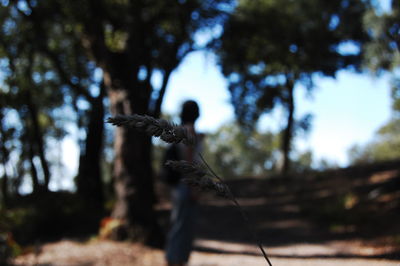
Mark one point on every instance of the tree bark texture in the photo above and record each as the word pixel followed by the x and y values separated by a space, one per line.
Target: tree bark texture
pixel 130 94
pixel 133 175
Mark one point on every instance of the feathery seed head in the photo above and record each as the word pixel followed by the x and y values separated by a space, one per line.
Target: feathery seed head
pixel 197 176
pixel 208 184
pixel 187 168
pixel 167 131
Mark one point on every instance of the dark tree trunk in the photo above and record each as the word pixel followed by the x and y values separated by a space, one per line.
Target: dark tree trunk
pixel 4 188
pixel 89 181
pixel 37 140
pixel 4 157
pixel 4 184
pixel 288 132
pixel 34 176
pixel 133 175
pixel 157 109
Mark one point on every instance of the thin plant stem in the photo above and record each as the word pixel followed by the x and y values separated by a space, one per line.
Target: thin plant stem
pixel 209 168
pixel 242 212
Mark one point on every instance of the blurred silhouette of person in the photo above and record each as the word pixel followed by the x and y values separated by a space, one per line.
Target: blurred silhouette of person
pixel 184 210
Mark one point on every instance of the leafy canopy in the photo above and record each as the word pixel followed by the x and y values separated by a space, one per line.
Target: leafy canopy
pixel 268 43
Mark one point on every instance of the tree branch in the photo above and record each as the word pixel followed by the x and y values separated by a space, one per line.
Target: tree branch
pixel 157 108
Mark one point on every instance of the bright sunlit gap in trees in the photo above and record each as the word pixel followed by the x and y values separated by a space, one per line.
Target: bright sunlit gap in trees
pixel 339 122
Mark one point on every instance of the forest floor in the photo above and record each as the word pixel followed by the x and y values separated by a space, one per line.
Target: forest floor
pixel 343 217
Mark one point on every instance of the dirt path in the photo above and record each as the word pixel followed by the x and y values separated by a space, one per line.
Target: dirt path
pixel 349 217
pixel 104 253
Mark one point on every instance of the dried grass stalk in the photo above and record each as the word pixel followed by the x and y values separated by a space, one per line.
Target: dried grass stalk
pixel 197 176
pixel 168 132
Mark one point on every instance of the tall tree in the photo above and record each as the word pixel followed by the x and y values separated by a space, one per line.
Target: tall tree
pixel 72 73
pixel 76 72
pixel 32 90
pixel 21 80
pixel 131 41
pixel 269 46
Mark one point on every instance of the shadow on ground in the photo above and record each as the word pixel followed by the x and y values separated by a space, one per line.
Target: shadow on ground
pixel 387 256
pixel 353 205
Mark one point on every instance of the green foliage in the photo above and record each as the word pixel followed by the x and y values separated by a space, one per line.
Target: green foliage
pixel 382 52
pixel 8 247
pixel 232 152
pixel 31 97
pixel 266 43
pixel 396 97
pixel 157 34
pixel 46 74
pixel 47 217
pixel 50 52
pixel 235 153
pixel 385 146
pixel 386 143
pixel 270 46
pixel 303 162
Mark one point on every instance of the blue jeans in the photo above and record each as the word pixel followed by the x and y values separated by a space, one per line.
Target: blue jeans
pixel 181 234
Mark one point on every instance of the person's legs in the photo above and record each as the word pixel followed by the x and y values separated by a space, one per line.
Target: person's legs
pixel 181 234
